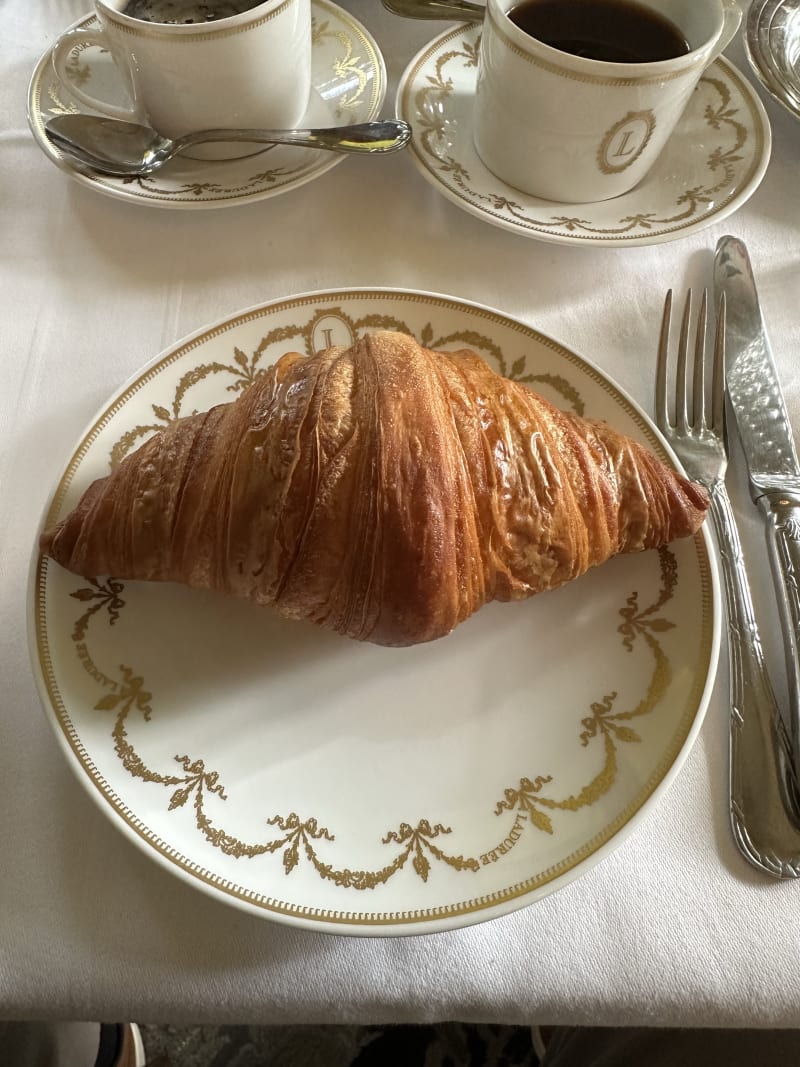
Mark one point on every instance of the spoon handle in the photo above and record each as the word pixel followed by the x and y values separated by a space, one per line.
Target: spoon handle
pixel 458 10
pixel 380 136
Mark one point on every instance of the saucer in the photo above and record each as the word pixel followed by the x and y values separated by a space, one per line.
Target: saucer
pixel 713 162
pixel 348 85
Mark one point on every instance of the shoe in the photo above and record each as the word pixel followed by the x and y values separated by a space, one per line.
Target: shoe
pixel 539 1042
pixel 120 1046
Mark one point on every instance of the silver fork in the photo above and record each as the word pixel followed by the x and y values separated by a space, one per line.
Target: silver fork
pixel 762 797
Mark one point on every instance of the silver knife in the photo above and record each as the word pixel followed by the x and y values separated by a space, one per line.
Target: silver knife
pixel 770 822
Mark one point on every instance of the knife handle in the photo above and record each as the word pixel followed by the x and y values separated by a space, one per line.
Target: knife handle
pixel 761 798
pixel 782 517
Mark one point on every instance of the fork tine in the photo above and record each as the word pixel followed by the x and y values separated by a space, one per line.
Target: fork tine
pixel 718 379
pixel 661 411
pixel 698 383
pixel 681 418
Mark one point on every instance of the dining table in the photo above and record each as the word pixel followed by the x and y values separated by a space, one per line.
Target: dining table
pixel 666 924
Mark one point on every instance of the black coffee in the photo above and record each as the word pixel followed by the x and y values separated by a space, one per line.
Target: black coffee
pixel 616 31
pixel 186 12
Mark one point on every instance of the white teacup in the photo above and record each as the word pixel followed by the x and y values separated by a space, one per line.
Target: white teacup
pixel 247 70
pixel 578 130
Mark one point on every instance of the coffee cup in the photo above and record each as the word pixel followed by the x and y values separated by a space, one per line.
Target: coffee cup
pixel 578 129
pixel 245 70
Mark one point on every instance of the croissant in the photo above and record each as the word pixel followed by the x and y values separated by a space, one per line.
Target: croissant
pixel 384 491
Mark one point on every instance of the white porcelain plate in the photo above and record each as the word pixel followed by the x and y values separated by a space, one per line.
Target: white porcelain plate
pixel 714 161
pixel 348 86
pixel 366 790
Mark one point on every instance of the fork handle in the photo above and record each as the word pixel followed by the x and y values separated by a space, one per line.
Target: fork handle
pixel 762 796
pixel 782 516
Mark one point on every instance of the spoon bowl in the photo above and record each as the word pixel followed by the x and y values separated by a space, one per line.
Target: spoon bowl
pixel 127 149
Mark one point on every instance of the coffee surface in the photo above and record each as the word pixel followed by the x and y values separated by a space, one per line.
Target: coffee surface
pixel 615 31
pixel 186 12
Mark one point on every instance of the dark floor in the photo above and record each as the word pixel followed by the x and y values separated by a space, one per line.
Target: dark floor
pixel 442 1045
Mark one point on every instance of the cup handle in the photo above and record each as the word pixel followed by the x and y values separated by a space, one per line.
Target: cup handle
pixel 63 49
pixel 731 21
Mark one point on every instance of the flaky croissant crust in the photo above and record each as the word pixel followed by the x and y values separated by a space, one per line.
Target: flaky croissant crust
pixel 384 490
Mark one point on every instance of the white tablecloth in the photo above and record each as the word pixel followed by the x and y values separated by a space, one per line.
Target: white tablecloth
pixel 672 928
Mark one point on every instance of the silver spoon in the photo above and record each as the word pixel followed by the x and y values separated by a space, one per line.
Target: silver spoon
pixel 459 10
pixel 126 149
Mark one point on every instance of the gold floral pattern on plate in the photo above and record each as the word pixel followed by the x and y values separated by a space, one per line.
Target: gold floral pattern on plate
pixel 324 782
pixel 348 85
pixel 527 802
pixel 712 164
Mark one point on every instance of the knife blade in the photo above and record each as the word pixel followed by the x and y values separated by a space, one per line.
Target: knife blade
pixel 765 433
